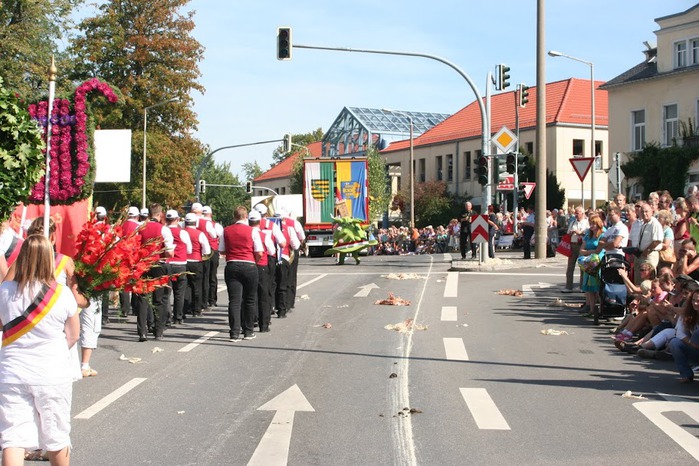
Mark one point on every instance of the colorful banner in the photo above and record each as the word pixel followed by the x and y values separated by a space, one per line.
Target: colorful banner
pixel 351 180
pixel 359 206
pixel 69 222
pixel 320 192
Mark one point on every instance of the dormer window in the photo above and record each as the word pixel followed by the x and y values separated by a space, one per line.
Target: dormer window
pixel 686 52
pixel 680 54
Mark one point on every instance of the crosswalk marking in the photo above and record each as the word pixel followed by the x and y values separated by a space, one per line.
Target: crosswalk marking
pixel 455 350
pixel 483 409
pixel 447 257
pixel 448 313
pixel 111 398
pixel 197 342
pixel 451 287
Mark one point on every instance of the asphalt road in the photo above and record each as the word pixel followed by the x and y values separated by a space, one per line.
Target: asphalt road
pixel 474 381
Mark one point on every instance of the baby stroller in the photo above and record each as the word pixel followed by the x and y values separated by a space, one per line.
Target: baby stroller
pixel 612 289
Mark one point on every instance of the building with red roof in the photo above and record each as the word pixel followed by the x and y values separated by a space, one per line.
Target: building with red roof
pixel 448 152
pixel 278 177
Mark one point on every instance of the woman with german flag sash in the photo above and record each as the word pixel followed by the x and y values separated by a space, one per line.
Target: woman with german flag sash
pixel 40 324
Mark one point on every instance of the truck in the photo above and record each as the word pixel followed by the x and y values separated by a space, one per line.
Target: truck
pixel 332 187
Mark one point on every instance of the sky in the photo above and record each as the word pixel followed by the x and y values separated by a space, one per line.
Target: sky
pixel 251 96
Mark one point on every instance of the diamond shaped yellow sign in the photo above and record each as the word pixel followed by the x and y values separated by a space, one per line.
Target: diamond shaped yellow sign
pixel 504 139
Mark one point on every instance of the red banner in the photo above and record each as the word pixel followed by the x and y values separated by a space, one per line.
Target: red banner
pixel 69 221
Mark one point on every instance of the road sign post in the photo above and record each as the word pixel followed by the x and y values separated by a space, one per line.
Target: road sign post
pixel 582 165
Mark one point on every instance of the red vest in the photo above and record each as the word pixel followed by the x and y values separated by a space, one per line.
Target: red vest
pixel 202 226
pixel 180 247
pixel 239 244
pixel 153 231
pixel 286 251
pixel 193 233
pixel 264 234
pixel 129 227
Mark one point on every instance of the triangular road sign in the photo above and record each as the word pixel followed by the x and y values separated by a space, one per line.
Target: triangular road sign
pixel 528 188
pixel 582 165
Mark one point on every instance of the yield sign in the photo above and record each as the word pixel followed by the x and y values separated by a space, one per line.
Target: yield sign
pixel 528 188
pixel 582 165
pixel 479 229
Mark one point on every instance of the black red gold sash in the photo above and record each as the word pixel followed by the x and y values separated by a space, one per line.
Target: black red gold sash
pixel 37 310
pixel 11 255
pixel 61 262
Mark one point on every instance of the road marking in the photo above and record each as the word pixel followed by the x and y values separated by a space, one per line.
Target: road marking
pixel 365 290
pixel 447 257
pixel 448 313
pixel 655 412
pixel 528 290
pixel 273 449
pixel 221 288
pixel 197 342
pixel 311 281
pixel 511 274
pixel 455 350
pixel 483 409
pixel 109 399
pixel 451 287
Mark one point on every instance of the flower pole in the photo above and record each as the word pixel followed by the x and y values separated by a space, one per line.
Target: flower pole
pixel 47 199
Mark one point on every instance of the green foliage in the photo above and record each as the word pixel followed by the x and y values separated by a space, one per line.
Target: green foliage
pixel 296 182
pixel 555 195
pixel 251 170
pixel 21 158
pixel 661 167
pixel 434 204
pixel 223 201
pixel 298 140
pixel 379 194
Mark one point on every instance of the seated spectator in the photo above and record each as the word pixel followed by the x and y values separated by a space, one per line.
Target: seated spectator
pixel 685 347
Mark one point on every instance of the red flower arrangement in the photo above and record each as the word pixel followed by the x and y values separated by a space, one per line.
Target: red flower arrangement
pixel 106 261
pixel 72 157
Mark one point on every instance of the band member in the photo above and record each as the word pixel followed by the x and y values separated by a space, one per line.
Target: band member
pixel 101 217
pixel 207 227
pixel 264 303
pixel 177 264
pixel 211 296
pixel 195 264
pixel 272 225
pixel 242 247
pixel 283 295
pixel 297 230
pixel 127 228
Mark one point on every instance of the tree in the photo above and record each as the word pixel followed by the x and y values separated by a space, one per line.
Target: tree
pixel 252 170
pixel 145 49
pixel 298 140
pixel 30 31
pixel 555 195
pixel 377 181
pixel 223 201
pixel 434 204
pixel 651 166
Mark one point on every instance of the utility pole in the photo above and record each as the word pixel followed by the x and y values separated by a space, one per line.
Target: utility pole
pixel 540 206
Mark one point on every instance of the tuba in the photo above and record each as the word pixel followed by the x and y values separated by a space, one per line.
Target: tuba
pixel 269 203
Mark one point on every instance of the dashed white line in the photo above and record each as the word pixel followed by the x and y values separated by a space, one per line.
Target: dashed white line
pixel 311 281
pixel 449 313
pixel 455 350
pixel 483 409
pixel 109 399
pixel 197 342
pixel 451 287
pixel 447 257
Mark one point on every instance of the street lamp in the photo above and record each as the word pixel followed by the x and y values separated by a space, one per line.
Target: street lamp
pixel 412 174
pixel 145 134
pixel 554 53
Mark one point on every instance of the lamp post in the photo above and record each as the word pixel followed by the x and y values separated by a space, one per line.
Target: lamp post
pixel 145 137
pixel 412 174
pixel 554 53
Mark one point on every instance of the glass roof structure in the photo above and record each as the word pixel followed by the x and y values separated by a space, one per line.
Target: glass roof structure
pixel 356 127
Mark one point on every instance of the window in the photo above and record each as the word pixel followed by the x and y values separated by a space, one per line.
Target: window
pixel 638 130
pixel 680 54
pixel 530 148
pixel 578 147
pixel 670 124
pixel 282 191
pixel 450 168
pixel 598 152
pixel 467 165
pixel 694 52
pixel 439 168
pixel 421 171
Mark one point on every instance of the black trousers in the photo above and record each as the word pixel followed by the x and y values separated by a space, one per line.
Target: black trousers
pixel 179 289
pixel 264 304
pixel 194 284
pixel 528 232
pixel 212 295
pixel 204 284
pixel 241 282
pixel 272 271
pixel 282 294
pixel 125 303
pixel 293 274
pixel 159 306
pixel 464 240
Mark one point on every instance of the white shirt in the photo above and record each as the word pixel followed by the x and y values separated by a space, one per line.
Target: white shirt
pixel 578 226
pixel 651 231
pixel 257 245
pixel 635 232
pixel 270 248
pixel 6 238
pixel 617 230
pixel 41 356
pixel 168 239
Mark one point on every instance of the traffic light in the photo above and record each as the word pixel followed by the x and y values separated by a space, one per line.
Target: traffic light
pixel 511 163
pixel 522 160
pixel 523 95
pixel 284 43
pixel 286 143
pixel 502 168
pixel 503 81
pixel 248 187
pixel 202 186
pixel 482 170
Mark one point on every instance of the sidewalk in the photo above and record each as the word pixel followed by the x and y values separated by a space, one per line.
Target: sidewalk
pixel 504 259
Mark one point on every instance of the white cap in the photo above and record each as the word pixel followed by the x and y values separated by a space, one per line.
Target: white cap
pixel 190 218
pixel 261 208
pixel 283 211
pixel 145 212
pixel 172 214
pixel 196 207
pixel 254 216
pixel 133 212
pixel 100 211
pixel 206 209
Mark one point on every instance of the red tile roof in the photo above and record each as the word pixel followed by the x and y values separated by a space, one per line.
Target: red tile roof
pixel 284 168
pixel 567 101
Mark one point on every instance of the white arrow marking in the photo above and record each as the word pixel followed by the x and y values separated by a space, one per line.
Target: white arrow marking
pixel 365 290
pixel 655 412
pixel 528 290
pixel 483 409
pixel 273 449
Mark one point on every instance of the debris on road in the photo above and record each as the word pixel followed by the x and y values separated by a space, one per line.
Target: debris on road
pixel 180 412
pixel 403 276
pixel 409 411
pixel 393 301
pixel 303 297
pixel 132 360
pixel 405 326
pixel 629 394
pixel 464 325
pixel 393 375
pixel 558 302
pixel 553 332
pixel 343 306
pixel 325 325
pixel 157 349
pixel 516 293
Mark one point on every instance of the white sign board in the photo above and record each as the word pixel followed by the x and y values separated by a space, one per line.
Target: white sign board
pixel 112 156
pixel 292 202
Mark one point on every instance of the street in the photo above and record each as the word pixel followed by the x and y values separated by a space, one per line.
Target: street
pixel 460 376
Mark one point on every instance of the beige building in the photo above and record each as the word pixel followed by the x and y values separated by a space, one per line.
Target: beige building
pixel 651 101
pixel 449 152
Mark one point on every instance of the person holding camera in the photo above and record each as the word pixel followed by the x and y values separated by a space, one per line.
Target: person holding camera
pixel 687 259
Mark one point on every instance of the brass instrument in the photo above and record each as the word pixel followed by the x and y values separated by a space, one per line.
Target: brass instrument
pixel 269 203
